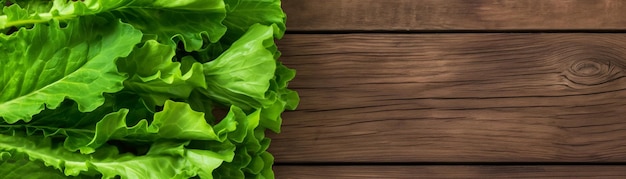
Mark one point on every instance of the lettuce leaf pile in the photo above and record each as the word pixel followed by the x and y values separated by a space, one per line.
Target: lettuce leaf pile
pixel 140 88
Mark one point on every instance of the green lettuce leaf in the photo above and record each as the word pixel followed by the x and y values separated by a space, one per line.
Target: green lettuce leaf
pixel 242 74
pixel 79 128
pixel 191 21
pixel 243 14
pixel 251 159
pixel 176 121
pixel 179 161
pixel 170 162
pixel 17 166
pixel 194 28
pixel 28 12
pixel 16 16
pixel 283 98
pixel 240 16
pixel 229 77
pixel 165 79
pixel 141 88
pixel 41 74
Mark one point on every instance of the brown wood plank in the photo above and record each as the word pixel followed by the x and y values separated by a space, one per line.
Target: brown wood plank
pixel 455 98
pixel 332 15
pixel 347 172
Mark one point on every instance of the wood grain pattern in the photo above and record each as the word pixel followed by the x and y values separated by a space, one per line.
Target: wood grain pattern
pixel 455 98
pixel 396 172
pixel 414 15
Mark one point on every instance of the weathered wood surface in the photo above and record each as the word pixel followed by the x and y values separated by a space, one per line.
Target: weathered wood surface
pixel 415 15
pixel 370 97
pixel 491 97
pixel 397 172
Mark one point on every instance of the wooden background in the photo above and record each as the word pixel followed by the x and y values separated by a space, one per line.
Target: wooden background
pixel 455 89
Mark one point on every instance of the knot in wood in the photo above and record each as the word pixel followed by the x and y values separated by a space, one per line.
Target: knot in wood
pixel 592 71
pixel 589 68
